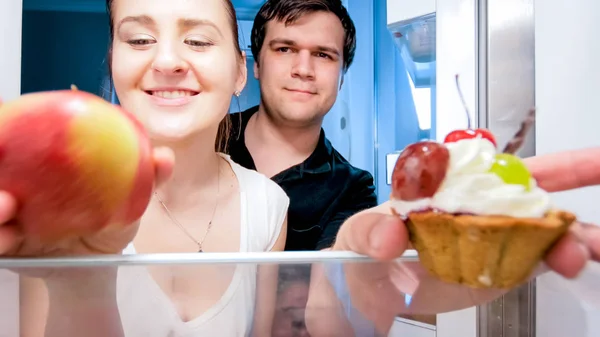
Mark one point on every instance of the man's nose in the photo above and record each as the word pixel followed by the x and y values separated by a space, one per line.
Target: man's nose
pixel 168 61
pixel 303 66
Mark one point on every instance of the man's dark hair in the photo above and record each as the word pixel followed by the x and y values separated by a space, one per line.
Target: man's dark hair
pixel 293 273
pixel 288 11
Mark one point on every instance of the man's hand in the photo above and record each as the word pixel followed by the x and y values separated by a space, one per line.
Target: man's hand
pixel 377 289
pixel 380 235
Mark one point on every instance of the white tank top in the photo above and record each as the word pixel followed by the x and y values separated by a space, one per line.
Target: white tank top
pixel 146 311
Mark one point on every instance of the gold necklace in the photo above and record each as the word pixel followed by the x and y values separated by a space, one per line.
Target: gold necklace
pixel 201 242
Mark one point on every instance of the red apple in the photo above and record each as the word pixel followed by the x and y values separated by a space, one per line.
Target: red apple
pixel 75 163
pixel 457 135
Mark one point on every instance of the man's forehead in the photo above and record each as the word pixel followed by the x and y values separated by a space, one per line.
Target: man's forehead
pixel 315 28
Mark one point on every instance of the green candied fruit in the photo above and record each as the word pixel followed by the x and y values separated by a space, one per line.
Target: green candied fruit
pixel 511 170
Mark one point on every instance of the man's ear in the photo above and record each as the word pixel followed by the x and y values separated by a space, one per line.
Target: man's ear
pixel 255 67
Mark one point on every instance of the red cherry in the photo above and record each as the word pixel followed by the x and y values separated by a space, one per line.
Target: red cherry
pixel 457 135
pixel 487 134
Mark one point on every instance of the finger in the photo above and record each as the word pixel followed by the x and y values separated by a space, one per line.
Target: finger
pixel 164 160
pixel 594 244
pixel 568 257
pixel 8 207
pixel 590 235
pixel 9 238
pixel 566 170
pixel 376 235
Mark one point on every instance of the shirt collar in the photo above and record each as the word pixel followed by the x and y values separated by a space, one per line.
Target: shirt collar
pixel 318 162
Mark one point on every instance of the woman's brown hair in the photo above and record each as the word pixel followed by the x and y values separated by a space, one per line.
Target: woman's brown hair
pixel 224 132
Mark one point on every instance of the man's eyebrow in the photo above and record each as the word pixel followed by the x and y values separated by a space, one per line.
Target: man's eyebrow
pixel 141 19
pixel 188 23
pixel 292 43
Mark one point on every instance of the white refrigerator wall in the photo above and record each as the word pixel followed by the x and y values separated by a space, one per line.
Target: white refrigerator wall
pixel 10 88
pixel 567 88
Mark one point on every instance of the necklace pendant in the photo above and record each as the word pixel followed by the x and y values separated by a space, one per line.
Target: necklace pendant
pixel 200 250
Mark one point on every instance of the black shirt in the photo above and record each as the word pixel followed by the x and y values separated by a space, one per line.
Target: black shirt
pixel 324 190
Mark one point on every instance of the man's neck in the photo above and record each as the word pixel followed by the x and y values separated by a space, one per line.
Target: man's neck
pixel 275 146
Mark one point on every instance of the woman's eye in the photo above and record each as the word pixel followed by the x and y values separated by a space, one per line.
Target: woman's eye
pixel 196 43
pixel 140 42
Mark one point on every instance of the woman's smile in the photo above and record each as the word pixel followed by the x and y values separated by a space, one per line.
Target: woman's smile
pixel 171 96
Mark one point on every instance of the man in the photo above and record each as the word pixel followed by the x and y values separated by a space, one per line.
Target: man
pixel 302 49
pixel 292 293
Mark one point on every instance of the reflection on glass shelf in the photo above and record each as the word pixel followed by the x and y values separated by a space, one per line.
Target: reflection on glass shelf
pixel 232 294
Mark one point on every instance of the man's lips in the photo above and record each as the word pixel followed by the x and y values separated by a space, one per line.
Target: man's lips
pixel 301 91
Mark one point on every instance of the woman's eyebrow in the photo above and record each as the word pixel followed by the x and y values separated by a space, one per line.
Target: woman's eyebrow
pixel 189 23
pixel 144 20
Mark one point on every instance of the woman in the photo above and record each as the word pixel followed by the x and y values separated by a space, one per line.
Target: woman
pixel 175 65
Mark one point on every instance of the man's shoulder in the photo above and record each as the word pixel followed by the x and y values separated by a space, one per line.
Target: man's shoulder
pixel 236 145
pixel 240 119
pixel 354 173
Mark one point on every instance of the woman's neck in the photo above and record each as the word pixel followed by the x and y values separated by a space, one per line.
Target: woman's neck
pixel 196 171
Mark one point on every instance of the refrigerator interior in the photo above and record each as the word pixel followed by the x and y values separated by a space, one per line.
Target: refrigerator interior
pixel 386 102
pixel 388 99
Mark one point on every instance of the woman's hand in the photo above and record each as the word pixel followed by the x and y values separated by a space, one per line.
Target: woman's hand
pixel 109 241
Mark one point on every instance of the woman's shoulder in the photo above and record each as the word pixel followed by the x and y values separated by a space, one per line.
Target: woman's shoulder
pixel 249 180
pixel 266 204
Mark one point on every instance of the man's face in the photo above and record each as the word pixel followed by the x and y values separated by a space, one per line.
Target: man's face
pixel 289 320
pixel 300 68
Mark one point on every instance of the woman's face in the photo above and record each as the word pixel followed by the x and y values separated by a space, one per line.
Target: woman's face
pixel 174 64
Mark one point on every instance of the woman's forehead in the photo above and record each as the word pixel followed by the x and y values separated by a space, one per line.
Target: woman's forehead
pixel 172 11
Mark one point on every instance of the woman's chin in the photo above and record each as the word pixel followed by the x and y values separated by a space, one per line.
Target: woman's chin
pixel 169 136
pixel 177 128
pixel 173 128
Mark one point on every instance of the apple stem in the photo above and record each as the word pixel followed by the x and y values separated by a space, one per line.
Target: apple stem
pixel 73 87
pixel 464 104
pixel 519 138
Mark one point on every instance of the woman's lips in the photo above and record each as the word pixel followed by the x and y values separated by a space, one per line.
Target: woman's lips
pixel 171 97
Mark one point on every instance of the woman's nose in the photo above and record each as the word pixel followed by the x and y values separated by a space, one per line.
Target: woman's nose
pixel 168 61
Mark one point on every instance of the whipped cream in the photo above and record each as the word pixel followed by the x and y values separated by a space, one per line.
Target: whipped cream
pixel 469 187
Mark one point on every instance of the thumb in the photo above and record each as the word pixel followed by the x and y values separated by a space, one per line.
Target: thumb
pixel 164 160
pixel 379 236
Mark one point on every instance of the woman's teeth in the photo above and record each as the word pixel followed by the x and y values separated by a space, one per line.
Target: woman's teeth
pixel 172 94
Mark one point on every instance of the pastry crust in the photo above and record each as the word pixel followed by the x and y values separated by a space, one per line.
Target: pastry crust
pixel 484 251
